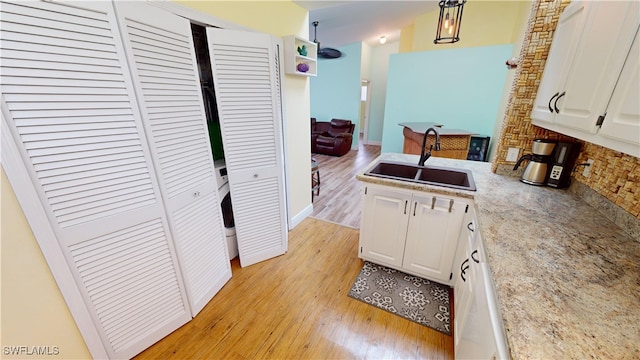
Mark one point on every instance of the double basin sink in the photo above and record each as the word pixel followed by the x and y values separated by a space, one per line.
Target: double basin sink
pixel 432 175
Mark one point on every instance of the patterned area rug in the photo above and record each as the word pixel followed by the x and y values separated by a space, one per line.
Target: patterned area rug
pixel 416 299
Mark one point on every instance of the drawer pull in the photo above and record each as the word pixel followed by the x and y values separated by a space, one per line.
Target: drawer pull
pixel 475 252
pixel 463 269
pixel 555 104
pixel 450 205
pixel 433 203
pixel 550 100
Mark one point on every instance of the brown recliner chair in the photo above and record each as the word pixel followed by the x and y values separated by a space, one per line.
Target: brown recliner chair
pixel 331 138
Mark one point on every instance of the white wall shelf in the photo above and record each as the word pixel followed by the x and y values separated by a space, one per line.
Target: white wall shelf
pixel 293 58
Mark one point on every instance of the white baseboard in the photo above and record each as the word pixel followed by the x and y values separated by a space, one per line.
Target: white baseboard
pixel 297 219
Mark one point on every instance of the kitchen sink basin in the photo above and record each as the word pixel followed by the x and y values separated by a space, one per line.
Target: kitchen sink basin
pixel 432 175
pixel 395 170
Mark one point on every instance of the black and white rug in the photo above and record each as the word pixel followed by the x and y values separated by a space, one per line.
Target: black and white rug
pixel 423 301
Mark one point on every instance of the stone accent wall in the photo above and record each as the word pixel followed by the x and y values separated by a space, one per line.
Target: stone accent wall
pixel 615 176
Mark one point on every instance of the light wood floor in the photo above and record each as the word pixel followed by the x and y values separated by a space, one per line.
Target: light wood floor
pixel 296 306
pixel 339 199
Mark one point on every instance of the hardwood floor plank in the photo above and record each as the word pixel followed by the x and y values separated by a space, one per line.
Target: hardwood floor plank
pixel 296 306
pixel 339 199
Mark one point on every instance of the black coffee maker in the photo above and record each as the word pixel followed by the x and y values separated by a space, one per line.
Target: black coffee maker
pixel 562 163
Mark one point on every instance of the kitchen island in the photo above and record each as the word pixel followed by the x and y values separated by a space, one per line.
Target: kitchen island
pixel 454 142
pixel 566 278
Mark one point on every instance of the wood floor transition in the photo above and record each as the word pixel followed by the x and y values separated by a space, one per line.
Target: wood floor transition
pixel 295 306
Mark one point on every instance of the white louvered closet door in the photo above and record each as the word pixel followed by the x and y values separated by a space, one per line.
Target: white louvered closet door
pixel 164 67
pixel 70 105
pixel 246 79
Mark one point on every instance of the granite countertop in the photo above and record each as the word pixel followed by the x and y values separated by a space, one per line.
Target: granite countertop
pixel 567 279
pixel 421 127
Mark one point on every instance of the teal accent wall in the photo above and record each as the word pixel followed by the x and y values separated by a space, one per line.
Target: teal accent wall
pixel 459 88
pixel 379 68
pixel 335 92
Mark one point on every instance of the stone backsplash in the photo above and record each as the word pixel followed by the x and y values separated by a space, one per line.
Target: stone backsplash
pixel 615 176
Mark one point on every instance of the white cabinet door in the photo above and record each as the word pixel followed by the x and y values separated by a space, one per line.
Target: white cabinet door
pixel 479 334
pixel 623 113
pixel 70 104
pixel 384 226
pixel 165 73
pixel 584 70
pixel 463 277
pixel 591 77
pixel 561 55
pixel 432 235
pixel 246 74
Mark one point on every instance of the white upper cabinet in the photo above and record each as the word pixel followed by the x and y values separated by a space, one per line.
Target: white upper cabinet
pixel 589 51
pixel 623 114
pixel 561 55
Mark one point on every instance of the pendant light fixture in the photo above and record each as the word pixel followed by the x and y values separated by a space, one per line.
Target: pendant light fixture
pixel 449 21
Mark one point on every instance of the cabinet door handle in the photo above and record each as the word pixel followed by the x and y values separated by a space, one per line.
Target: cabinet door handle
pixel 555 104
pixel 550 100
pixel 433 203
pixel 475 252
pixel 415 205
pixel 450 205
pixel 405 206
pixel 463 269
pixel 470 227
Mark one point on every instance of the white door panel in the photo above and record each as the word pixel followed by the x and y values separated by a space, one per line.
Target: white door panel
pixel 384 225
pixel 623 113
pixel 432 236
pixel 598 61
pixel 71 109
pixel 567 34
pixel 247 79
pixel 164 67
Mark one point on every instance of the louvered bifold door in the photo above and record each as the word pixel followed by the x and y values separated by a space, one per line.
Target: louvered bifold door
pixel 70 105
pixel 246 80
pixel 162 59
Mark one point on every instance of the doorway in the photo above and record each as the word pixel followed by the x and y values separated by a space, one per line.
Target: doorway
pixel 365 97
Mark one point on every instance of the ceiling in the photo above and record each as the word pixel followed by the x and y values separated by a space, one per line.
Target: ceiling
pixel 346 22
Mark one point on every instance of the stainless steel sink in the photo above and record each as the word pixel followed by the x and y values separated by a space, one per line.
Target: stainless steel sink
pixel 432 175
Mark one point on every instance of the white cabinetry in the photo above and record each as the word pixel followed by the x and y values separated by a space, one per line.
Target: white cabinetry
pixel 384 225
pixel 432 235
pixel 294 56
pixel 623 114
pixel 583 70
pixel 478 329
pixel 415 232
pixel 462 276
